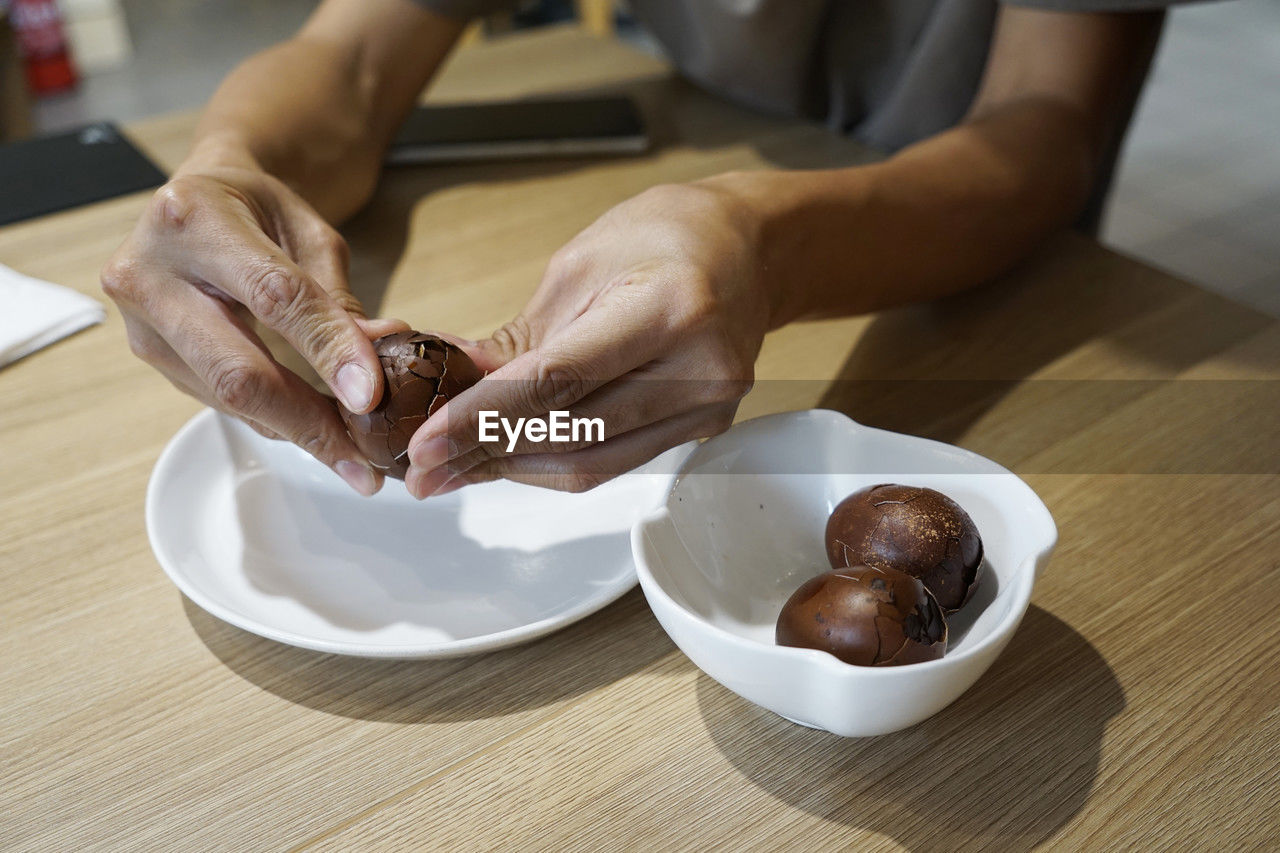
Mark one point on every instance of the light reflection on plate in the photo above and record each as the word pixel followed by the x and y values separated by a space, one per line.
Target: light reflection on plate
pixel 260 535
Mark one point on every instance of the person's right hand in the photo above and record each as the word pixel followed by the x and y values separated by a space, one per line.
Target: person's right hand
pixel 219 244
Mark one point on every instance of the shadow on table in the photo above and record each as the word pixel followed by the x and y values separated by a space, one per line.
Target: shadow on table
pixel 938 369
pixel 599 650
pixel 1005 766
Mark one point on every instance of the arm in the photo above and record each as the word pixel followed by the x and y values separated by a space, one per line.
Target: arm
pixel 956 209
pixel 653 316
pixel 319 110
pixel 290 143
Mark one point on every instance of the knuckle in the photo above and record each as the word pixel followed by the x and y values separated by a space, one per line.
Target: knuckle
pixel 557 384
pixel 236 386
pixel 348 302
pixel 343 297
pixel 119 278
pixel 729 390
pixel 333 242
pixel 514 337
pixel 144 347
pixel 324 342
pixel 174 203
pixel 320 443
pixel 568 261
pixel 663 194
pixel 274 293
pixel 702 308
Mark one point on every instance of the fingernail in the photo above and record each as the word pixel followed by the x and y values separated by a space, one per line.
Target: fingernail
pixel 355 386
pixel 425 485
pixel 431 453
pixel 357 476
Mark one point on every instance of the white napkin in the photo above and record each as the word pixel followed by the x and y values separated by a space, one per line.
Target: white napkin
pixel 35 313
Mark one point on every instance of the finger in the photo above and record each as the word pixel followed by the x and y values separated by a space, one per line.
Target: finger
pixel 245 381
pixel 322 253
pixel 514 338
pixel 155 351
pixel 381 326
pixel 564 294
pixel 594 349
pixel 566 471
pixel 585 469
pixel 553 307
pixel 188 383
pixel 151 348
pixel 640 398
pixel 240 260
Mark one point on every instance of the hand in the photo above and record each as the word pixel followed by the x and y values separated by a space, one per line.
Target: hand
pixel 221 243
pixel 650 319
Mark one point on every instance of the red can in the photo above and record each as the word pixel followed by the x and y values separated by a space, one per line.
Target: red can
pixel 42 41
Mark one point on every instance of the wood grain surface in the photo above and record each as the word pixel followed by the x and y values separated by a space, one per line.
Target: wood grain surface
pixel 1136 708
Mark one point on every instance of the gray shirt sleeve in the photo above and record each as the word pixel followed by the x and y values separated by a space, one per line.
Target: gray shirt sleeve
pixel 1097 5
pixel 467 9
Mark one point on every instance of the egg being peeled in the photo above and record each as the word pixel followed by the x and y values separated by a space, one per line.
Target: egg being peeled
pixel 423 372
pixel 865 616
pixel 914 529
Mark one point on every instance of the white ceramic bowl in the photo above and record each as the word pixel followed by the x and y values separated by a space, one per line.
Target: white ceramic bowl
pixel 742 527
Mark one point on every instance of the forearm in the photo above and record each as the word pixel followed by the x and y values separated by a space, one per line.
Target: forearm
pixel 295 112
pixel 941 216
pixel 318 110
pixel 958 208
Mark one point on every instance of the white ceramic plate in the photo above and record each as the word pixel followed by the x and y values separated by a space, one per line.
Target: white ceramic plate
pixel 262 536
pixel 743 526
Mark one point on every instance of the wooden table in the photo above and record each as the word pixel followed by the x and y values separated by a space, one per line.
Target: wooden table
pixel 1136 707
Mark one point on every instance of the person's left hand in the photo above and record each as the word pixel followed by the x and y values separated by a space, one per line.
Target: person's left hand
pixel 650 319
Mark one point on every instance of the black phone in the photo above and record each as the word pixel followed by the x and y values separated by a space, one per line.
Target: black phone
pixel 52 173
pixel 560 127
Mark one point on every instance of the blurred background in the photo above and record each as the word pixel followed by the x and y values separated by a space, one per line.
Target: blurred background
pixel 1198 191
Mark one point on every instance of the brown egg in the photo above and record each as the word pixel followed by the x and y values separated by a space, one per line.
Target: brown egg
pixel 865 616
pixel 913 529
pixel 423 372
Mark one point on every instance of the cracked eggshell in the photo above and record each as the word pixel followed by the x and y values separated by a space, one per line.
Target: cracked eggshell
pixel 423 372
pixel 914 529
pixel 865 616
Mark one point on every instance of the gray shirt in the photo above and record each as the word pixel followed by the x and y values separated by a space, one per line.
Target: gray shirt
pixel 888 72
